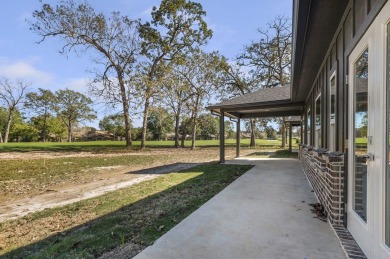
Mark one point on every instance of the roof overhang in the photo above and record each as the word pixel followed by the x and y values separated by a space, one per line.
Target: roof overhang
pixel 260 110
pixel 314 26
pixel 266 102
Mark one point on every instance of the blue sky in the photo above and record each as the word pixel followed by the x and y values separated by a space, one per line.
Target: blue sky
pixel 234 24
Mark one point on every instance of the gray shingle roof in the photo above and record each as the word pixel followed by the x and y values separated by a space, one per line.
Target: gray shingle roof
pixel 259 96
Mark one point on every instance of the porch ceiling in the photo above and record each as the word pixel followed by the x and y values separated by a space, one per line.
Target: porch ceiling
pixel 269 102
pixel 314 25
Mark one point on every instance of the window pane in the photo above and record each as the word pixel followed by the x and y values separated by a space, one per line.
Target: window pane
pixel 318 122
pixel 360 139
pixel 333 100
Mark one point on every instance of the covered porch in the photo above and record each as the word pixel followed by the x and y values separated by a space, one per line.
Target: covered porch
pixel 263 103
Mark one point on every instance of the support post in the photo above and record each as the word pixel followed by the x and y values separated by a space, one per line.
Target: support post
pixel 290 138
pixel 222 138
pixel 302 136
pixel 238 137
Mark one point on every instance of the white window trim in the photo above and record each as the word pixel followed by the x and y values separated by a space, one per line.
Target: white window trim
pixel 332 121
pixel 315 113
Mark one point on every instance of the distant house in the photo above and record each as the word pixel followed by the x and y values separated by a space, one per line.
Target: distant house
pixel 86 134
pixel 99 135
pixel 341 90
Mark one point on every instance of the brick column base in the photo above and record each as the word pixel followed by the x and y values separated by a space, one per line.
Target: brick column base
pixel 325 172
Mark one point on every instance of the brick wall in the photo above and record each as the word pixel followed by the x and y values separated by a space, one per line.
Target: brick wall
pixel 325 172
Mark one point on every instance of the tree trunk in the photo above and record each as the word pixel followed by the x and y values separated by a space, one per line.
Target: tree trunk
pixel 1 137
pixel 177 125
pixel 253 138
pixel 183 136
pixel 44 128
pixel 126 115
pixel 145 122
pixel 159 133
pixel 8 127
pixel 69 132
pixel 194 122
pixel 283 131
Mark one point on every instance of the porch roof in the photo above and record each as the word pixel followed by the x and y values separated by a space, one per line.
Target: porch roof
pixel 293 120
pixel 314 26
pixel 266 102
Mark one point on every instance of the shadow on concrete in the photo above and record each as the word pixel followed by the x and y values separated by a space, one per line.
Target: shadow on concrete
pixel 275 154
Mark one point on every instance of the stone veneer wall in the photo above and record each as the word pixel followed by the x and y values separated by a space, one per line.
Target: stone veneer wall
pixel 325 172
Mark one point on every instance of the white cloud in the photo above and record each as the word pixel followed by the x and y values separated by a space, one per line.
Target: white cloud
pixel 146 14
pixel 24 69
pixel 77 84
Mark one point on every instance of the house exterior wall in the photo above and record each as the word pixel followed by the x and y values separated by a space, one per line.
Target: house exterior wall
pixel 357 18
pixel 327 170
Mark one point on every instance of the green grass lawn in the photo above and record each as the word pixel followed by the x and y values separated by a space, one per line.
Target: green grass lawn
pixel 118 146
pixel 361 140
pixel 139 214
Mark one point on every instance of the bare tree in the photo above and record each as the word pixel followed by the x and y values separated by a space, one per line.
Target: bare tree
pixel 176 27
pixel 270 58
pixel 203 75
pixel 12 95
pixel 236 83
pixel 113 39
pixel 176 92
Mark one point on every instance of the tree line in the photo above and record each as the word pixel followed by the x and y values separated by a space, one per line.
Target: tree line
pixel 55 116
pixel 159 67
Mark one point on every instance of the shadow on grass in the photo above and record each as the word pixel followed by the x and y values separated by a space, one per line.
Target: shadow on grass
pixel 275 154
pixel 163 169
pixel 165 201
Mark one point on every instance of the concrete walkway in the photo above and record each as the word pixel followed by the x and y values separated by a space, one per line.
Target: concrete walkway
pixel 263 214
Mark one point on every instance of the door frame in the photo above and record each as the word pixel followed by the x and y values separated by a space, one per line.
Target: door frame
pixel 375 39
pixel 362 231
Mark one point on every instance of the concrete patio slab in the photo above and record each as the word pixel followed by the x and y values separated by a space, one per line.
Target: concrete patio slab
pixel 263 214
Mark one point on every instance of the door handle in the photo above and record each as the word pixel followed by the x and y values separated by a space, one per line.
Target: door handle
pixel 367 157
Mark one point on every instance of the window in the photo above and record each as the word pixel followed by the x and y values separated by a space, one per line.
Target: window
pixel 317 133
pixel 308 123
pixel 332 112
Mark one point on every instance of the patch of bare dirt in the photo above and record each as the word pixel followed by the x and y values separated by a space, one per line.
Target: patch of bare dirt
pixel 110 178
pixel 71 193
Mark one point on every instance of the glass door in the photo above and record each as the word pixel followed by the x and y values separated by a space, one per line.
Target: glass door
pixel 361 156
pixel 360 159
pixel 369 139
